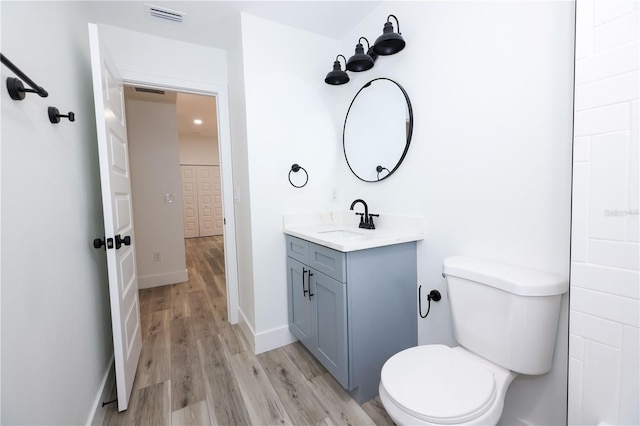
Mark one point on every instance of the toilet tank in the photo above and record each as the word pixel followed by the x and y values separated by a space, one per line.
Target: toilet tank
pixel 504 313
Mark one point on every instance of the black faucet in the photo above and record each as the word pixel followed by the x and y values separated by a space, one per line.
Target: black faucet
pixel 366 219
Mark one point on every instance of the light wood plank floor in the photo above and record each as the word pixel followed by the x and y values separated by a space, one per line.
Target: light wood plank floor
pixel 196 368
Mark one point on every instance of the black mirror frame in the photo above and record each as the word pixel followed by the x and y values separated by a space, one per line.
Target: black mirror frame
pixel 409 132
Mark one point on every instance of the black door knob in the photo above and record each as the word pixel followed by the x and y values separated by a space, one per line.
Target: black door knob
pixel 120 241
pixel 99 242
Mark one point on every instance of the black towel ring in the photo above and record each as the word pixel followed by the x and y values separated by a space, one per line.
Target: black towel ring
pixel 295 168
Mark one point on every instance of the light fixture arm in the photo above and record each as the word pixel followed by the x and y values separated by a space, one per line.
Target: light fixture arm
pixel 365 39
pixel 397 22
pixel 345 60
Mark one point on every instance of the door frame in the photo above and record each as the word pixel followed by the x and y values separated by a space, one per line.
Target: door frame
pixel 220 92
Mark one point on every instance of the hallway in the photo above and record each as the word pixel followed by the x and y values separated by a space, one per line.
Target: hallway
pixel 196 368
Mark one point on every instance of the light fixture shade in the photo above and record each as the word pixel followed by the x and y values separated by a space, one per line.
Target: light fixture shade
pixel 389 42
pixel 337 76
pixel 360 61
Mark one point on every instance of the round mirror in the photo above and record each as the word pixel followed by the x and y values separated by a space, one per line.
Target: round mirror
pixel 377 130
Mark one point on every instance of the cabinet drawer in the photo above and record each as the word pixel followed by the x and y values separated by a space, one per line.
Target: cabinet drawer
pixel 328 261
pixel 298 249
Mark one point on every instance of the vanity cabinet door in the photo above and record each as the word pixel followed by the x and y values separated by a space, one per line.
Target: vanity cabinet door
pixel 330 315
pixel 300 306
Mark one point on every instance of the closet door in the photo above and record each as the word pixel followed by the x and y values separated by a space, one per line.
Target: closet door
pixel 218 216
pixel 202 201
pixel 205 200
pixel 190 201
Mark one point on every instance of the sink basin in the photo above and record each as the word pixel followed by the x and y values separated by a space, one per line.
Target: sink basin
pixel 340 233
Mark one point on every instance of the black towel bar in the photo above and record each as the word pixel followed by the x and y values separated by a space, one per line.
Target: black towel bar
pixel 15 86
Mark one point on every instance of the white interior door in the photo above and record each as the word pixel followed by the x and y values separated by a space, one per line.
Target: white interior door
pixel 118 216
pixel 190 202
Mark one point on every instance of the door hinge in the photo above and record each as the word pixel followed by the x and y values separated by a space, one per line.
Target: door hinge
pixel 224 220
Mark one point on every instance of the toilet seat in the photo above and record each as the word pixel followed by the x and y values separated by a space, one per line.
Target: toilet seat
pixel 452 387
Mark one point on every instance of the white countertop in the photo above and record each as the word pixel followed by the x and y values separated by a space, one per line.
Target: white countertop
pixel 339 230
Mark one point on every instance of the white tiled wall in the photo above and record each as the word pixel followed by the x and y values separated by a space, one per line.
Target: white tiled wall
pixel 604 359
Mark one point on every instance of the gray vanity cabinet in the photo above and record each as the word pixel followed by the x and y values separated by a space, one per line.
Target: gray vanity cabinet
pixel 353 310
pixel 317 308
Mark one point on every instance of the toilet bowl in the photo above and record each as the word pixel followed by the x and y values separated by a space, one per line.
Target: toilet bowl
pixel 455 386
pixel 505 320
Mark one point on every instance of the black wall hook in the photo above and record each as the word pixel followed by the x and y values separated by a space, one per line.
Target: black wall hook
pixel 54 115
pixel 295 168
pixel 379 170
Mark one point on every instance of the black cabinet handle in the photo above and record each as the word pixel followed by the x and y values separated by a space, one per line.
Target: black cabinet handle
pixel 304 290
pixel 120 241
pixel 309 283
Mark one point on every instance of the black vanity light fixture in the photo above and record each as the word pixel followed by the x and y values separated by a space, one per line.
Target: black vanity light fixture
pixel 361 61
pixel 389 42
pixel 337 76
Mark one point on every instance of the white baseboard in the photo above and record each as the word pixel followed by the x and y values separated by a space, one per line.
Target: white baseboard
pixel 149 281
pixel 273 339
pixel 247 330
pixel 266 340
pixel 96 417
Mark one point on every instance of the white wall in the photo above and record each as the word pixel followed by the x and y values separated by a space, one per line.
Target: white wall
pixel 489 166
pixel 56 326
pixel 288 121
pixel 242 203
pixel 198 150
pixel 604 355
pixel 139 55
pixel 152 131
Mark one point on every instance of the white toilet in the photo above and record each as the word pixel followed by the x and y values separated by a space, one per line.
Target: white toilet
pixel 505 319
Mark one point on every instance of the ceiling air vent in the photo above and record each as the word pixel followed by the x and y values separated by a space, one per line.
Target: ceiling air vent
pixel 145 90
pixel 165 14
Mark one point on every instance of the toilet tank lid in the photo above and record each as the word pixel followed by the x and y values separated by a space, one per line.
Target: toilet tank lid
pixel 510 278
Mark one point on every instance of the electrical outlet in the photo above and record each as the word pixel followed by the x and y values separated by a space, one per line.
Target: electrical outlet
pixel 156 256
